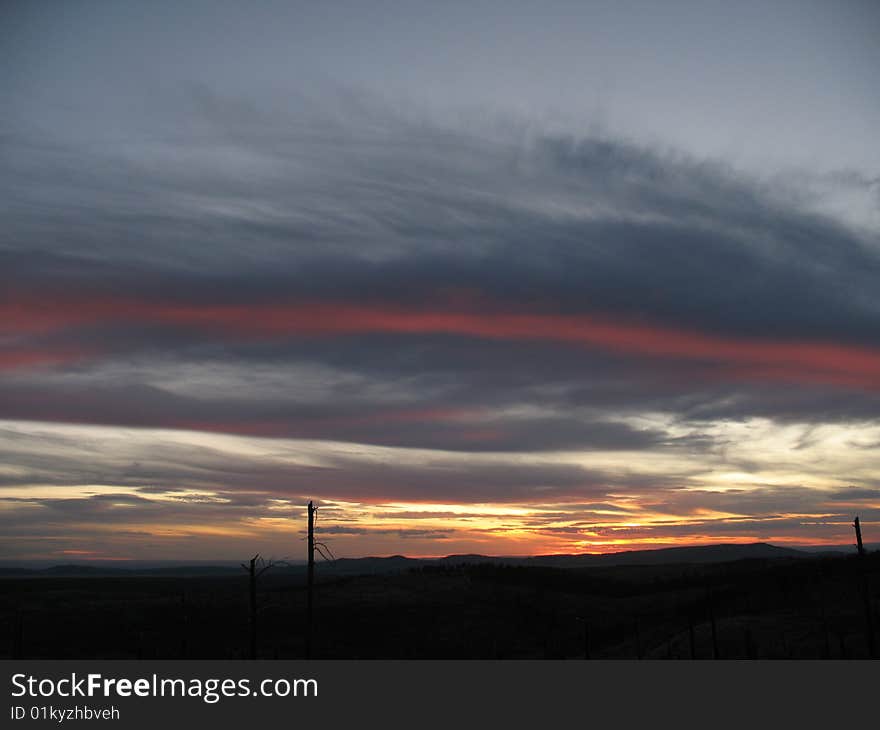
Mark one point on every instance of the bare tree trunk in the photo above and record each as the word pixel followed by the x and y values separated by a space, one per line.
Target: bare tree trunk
pixel 866 595
pixel 311 582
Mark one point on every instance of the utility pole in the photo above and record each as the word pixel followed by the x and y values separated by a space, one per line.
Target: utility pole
pixel 858 528
pixel 311 581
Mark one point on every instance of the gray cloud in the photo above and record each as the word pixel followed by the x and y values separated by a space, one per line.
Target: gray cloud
pixel 252 164
pixel 385 210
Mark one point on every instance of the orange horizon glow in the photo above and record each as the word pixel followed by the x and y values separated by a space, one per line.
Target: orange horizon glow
pixel 477 547
pixel 488 529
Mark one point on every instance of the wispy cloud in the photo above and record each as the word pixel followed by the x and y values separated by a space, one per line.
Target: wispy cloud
pixel 346 301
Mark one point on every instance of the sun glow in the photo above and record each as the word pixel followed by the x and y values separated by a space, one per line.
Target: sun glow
pixel 662 499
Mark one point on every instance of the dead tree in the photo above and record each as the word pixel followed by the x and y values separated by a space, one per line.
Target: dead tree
pixel 252 572
pixel 866 594
pixel 255 568
pixel 325 553
pixel 310 581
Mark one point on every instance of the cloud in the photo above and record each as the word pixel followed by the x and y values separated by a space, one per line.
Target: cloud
pixel 389 309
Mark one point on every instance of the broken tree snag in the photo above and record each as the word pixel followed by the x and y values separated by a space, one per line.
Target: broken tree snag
pixel 311 580
pixel 251 568
pixel 858 529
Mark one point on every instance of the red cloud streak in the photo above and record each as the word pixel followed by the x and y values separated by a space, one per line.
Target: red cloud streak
pixel 752 358
pixel 34 358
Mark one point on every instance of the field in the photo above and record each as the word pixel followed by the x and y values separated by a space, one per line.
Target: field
pixel 806 607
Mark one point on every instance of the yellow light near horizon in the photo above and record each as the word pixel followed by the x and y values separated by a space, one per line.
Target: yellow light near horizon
pixel 712 514
pixel 461 509
pixel 66 491
pixel 198 530
pixel 830 457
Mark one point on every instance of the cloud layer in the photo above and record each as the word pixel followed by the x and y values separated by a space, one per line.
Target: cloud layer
pixel 485 315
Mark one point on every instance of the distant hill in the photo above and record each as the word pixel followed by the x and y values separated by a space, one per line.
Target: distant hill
pixel 664 556
pixel 702 554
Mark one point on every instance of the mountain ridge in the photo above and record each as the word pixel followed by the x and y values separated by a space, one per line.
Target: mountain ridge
pixel 699 554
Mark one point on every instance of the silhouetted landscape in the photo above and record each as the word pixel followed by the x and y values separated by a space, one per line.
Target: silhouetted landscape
pixel 721 601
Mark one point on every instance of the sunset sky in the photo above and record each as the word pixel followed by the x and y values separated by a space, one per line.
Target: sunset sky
pixel 498 277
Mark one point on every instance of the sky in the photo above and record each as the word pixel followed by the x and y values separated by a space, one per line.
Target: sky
pixel 497 277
